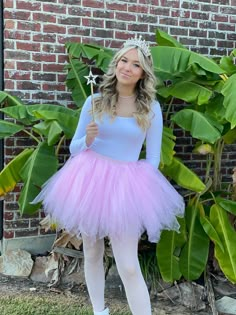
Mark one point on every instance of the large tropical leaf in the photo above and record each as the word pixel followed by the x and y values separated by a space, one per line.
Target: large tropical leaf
pixel 194 255
pixel 10 175
pixel 164 39
pixel 99 54
pixel 227 63
pixel 183 176
pixel 190 92
pixel 76 81
pixel 227 235
pixel 168 249
pixel 3 96
pixel 216 109
pixel 211 232
pixel 228 205
pixel 167 148
pixel 51 129
pixel 229 92
pixel 198 124
pixel 67 122
pixel 39 167
pixel 8 129
pixel 175 62
pixel 20 112
pixel 9 99
pixel 25 113
pixel 230 136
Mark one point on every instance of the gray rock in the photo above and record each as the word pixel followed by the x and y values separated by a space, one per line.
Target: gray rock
pixel 192 294
pixel 226 305
pixel 186 293
pixel 38 273
pixel 16 263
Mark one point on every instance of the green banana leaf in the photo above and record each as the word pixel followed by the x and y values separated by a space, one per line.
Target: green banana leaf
pixel 230 136
pixel 25 113
pixel 227 258
pixel 228 205
pixel 19 112
pixel 10 175
pixel 194 254
pixel 176 61
pixel 200 125
pixel 76 81
pixel 167 148
pixel 164 39
pixel 190 92
pixel 51 129
pixel 9 99
pixel 227 64
pixel 229 92
pixel 67 123
pixel 211 232
pixel 183 176
pixel 101 55
pixel 3 96
pixel 167 258
pixel 8 129
pixel 215 108
pixel 39 167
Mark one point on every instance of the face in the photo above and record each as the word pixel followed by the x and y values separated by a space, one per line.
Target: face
pixel 128 69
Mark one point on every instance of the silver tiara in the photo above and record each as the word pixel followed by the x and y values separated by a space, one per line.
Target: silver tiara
pixel 139 42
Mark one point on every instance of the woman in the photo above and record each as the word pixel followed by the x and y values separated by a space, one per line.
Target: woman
pixel 103 190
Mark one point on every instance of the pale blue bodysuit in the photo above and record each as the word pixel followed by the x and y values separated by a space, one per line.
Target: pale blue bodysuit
pixel 120 138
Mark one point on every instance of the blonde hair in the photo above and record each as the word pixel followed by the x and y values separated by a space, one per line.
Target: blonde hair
pixel 144 90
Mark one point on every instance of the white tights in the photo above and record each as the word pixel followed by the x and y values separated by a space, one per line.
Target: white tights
pixel 125 254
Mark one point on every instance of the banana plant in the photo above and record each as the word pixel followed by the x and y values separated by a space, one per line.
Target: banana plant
pixel 207 90
pixel 48 126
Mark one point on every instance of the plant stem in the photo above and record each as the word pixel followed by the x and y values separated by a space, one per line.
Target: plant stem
pixel 31 135
pixel 169 108
pixel 59 145
pixel 217 164
pixel 208 166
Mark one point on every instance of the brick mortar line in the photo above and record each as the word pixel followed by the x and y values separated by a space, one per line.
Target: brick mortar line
pixel 102 28
pixel 118 11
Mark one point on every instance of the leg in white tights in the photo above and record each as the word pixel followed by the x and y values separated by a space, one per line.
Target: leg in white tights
pixel 94 272
pixel 126 256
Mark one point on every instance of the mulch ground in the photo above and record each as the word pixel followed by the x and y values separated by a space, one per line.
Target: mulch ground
pixel 115 299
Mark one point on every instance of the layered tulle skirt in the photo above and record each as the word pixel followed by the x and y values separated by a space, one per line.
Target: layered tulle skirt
pixel 98 196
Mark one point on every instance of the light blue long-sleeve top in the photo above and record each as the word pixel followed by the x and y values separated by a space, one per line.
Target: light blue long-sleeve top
pixel 120 138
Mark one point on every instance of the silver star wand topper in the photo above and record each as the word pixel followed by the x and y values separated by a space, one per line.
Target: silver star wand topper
pixel 91 79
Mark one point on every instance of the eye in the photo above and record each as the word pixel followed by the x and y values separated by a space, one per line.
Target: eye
pixel 123 60
pixel 136 65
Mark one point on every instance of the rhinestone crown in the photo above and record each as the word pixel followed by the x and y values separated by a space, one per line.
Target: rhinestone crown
pixel 139 42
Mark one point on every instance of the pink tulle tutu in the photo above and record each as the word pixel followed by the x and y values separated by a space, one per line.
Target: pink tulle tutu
pixel 98 196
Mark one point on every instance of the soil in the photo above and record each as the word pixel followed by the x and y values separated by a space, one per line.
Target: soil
pixel 115 299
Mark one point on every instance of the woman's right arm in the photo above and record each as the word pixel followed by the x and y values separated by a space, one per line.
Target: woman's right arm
pixel 85 131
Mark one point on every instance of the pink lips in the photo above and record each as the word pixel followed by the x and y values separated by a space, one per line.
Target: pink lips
pixel 125 75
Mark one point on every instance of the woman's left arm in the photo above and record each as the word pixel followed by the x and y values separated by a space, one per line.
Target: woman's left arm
pixel 154 136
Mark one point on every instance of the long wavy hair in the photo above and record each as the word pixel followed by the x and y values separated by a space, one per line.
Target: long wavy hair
pixel 144 91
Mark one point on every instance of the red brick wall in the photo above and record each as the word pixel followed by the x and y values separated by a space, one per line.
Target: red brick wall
pixel 36 31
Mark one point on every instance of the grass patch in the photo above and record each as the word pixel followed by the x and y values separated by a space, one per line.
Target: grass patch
pixel 41 305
